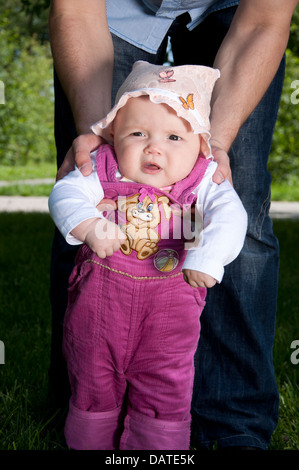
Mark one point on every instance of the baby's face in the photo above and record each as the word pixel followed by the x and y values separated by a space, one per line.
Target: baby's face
pixel 153 145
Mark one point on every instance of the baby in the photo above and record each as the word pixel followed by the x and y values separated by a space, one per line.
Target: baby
pixel 136 293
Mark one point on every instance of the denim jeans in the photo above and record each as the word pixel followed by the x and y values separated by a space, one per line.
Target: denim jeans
pixel 235 399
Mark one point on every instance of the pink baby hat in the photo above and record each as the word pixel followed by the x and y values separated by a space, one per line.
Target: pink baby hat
pixel 185 88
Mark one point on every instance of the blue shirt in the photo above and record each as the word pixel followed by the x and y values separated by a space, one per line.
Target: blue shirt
pixel 144 23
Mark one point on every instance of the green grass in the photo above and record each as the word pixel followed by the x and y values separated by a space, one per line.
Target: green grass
pixel 26 190
pixel 25 329
pixel 16 175
pixel 287 330
pixel 280 191
pixel 25 319
pixel 285 192
pixel 19 172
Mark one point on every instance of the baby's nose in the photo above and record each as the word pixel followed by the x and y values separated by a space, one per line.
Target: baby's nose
pixel 153 147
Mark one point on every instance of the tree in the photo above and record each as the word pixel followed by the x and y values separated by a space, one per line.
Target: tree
pixel 26 117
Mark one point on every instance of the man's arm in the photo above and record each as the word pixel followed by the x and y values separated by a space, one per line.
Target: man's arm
pixel 83 57
pixel 248 60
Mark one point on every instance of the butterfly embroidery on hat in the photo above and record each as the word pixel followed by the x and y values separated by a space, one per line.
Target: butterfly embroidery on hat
pixel 166 76
pixel 188 102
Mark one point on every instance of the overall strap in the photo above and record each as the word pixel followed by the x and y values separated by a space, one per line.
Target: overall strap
pixel 182 190
pixel 106 163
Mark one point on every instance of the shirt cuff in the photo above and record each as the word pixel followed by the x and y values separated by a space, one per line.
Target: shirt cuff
pixel 66 230
pixel 198 262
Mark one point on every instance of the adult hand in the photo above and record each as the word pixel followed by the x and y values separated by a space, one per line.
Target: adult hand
pixel 79 154
pixel 223 170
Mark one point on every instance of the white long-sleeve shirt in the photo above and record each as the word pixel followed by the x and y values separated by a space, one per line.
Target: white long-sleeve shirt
pixel 75 197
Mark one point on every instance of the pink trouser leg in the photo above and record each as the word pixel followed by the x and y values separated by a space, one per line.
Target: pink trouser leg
pixel 145 433
pixel 86 430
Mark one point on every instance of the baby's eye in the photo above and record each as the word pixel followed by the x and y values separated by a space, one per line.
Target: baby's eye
pixel 174 137
pixel 137 134
pixel 150 207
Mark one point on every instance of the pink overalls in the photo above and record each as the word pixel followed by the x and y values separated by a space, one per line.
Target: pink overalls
pixel 132 325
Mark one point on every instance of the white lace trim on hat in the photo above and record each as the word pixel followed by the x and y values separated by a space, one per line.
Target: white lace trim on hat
pixel 175 97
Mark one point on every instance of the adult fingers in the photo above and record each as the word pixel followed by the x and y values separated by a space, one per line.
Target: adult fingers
pixel 82 146
pixel 79 154
pixel 223 170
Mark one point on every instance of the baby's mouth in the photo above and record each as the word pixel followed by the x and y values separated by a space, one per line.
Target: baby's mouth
pixel 151 167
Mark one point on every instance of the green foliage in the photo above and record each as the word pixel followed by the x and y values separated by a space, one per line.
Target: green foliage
pixel 283 160
pixel 26 117
pixel 35 6
pixel 30 16
pixel 293 44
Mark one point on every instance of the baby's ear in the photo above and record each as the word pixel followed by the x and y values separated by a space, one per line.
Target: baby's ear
pixel 111 130
pixel 107 136
pixel 204 147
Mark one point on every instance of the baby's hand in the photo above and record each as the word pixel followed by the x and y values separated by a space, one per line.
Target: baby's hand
pixel 102 236
pixel 198 279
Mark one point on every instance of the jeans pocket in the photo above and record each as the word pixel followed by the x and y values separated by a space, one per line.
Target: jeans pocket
pixel 181 329
pixel 83 315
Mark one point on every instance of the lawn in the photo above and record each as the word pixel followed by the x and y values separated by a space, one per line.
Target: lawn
pixel 25 330
pixel 16 175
